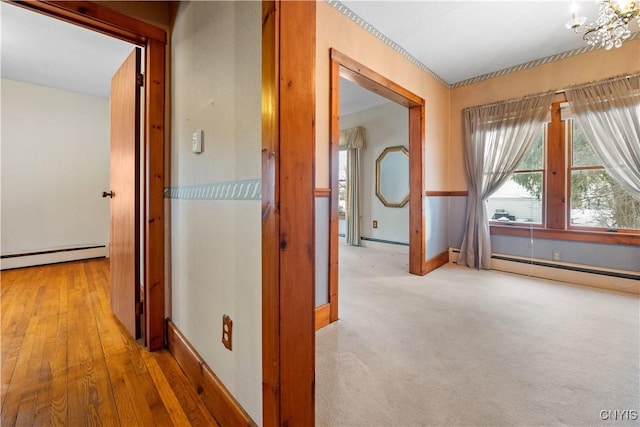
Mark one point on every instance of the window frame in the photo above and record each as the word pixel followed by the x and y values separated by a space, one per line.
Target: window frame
pixel 570 169
pixel 542 170
pixel 556 197
pixel 571 123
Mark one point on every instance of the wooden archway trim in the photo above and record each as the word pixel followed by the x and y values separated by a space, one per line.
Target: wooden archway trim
pixel 97 18
pixel 288 199
pixel 346 67
pixel 109 22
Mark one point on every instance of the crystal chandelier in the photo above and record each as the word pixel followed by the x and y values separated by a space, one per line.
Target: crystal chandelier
pixel 611 27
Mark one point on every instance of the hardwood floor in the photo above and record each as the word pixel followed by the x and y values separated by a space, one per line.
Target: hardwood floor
pixel 67 361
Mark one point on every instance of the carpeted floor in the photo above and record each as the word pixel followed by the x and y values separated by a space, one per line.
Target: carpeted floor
pixel 466 347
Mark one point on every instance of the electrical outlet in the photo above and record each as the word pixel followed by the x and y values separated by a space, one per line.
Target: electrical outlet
pixel 227 329
pixel 375 223
pixel 556 256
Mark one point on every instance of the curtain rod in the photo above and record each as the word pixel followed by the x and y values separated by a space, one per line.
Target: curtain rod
pixel 509 101
pixel 556 92
pixel 599 82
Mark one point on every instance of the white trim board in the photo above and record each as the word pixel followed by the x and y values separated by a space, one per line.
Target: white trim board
pixel 550 272
pixel 53 257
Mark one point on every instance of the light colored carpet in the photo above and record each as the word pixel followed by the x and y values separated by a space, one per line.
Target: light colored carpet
pixel 466 347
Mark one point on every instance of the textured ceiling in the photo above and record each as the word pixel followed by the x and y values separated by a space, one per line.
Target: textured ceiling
pixel 48 52
pixel 456 40
pixel 353 98
pixel 459 40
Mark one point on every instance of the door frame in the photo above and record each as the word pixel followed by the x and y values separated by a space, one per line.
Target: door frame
pixel 288 212
pixel 350 69
pixel 154 40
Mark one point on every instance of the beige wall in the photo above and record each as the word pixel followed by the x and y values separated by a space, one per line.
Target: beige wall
pixel 55 165
pixel 213 249
pixel 216 244
pixel 557 75
pixel 334 30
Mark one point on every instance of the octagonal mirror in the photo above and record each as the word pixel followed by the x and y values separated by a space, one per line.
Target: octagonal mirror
pixel 392 177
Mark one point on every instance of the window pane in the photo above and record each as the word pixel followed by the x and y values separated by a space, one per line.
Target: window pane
pixel 342 182
pixel 518 200
pixel 597 201
pixel 582 154
pixel 534 159
pixel 342 165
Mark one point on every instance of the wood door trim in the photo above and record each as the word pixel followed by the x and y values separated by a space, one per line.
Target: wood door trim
pixel 367 78
pixel 99 18
pixel 270 217
pixel 343 66
pixel 154 292
pixel 417 237
pixel 323 192
pixel 288 211
pixel 297 211
pixel 109 22
pixel 334 166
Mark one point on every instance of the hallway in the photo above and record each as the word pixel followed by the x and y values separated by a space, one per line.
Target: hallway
pixel 67 361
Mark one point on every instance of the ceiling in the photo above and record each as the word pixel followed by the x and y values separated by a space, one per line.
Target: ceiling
pixel 461 40
pixel 456 40
pixel 354 98
pixel 48 52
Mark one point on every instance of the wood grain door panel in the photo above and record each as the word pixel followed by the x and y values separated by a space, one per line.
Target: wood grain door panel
pixel 125 185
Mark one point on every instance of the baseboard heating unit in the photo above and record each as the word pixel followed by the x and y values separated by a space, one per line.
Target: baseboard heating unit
pixel 52 256
pixel 594 276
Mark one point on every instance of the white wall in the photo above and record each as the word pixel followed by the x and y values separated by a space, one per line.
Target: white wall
pixel 385 126
pixel 55 165
pixel 216 244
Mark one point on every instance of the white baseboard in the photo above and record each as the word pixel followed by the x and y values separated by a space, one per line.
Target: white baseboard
pixel 564 272
pixel 53 257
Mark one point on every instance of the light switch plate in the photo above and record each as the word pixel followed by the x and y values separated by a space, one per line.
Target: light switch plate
pixel 196 142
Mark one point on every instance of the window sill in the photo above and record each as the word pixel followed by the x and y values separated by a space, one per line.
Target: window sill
pixel 619 237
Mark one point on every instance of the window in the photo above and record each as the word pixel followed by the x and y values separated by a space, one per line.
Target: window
pixel 562 185
pixel 342 183
pixel 520 199
pixel 596 200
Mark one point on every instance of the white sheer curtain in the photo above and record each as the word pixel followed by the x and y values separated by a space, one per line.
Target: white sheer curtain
pixel 496 138
pixel 609 114
pixel 353 141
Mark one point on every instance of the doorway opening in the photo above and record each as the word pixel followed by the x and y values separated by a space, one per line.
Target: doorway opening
pixel 343 67
pixel 373 177
pixel 151 209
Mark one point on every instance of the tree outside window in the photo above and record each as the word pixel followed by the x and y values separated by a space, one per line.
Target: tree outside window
pixel 520 199
pixel 596 199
